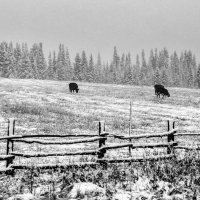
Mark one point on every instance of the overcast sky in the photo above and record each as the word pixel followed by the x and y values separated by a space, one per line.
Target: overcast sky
pixel 99 25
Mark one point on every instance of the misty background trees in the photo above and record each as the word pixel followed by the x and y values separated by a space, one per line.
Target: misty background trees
pixel 160 67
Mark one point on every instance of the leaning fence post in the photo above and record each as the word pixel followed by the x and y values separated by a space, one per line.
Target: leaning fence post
pixel 170 137
pixel 11 130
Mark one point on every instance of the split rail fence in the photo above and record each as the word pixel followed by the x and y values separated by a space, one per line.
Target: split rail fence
pixel 100 152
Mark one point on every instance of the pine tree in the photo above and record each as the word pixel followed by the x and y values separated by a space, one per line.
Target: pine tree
pixel 116 66
pixel 50 67
pixel 69 69
pixel 4 61
pixel 143 73
pixel 188 69
pixel 42 66
pixel 175 71
pixel 84 67
pixel 157 76
pixel 61 67
pixel 77 68
pixel 54 62
pixel 11 61
pixel 108 74
pixel 164 77
pixel 38 62
pixel 25 70
pixel 156 60
pixel 163 64
pixel 98 70
pixel 90 71
pixel 150 69
pixel 33 60
pixel 18 59
pixel 128 78
pixel 198 77
pixel 122 69
pixel 136 71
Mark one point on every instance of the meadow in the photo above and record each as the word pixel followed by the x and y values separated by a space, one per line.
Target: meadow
pixel 42 106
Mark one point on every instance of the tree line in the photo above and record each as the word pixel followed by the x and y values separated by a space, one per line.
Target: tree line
pixel 160 67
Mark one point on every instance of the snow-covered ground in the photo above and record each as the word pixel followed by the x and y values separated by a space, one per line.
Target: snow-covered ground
pixel 41 106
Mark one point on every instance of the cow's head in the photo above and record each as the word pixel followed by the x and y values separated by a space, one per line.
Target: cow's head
pixel 168 94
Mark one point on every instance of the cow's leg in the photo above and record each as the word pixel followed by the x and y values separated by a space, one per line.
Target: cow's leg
pixel 156 93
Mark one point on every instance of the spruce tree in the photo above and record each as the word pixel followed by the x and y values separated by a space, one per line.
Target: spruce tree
pixel 98 70
pixel 42 65
pixel 136 71
pixel 4 61
pixel 69 69
pixel 90 71
pixel 25 70
pixel 50 67
pixel 175 71
pixel 33 60
pixel 115 66
pixel 198 77
pixel 18 59
pixel 84 67
pixel 150 69
pixel 122 69
pixel 157 76
pixel 128 70
pixel 77 68
pixel 54 62
pixel 37 60
pixel 11 62
pixel 143 69
pixel 61 67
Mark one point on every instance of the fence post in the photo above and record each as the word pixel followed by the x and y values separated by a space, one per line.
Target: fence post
pixel 130 124
pixel 102 152
pixel 170 138
pixel 11 131
pixel 101 130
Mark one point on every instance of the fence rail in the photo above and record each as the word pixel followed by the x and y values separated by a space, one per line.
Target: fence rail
pixel 136 146
pixel 142 159
pixel 46 142
pixel 100 151
pixel 42 135
pixel 89 152
pixel 145 135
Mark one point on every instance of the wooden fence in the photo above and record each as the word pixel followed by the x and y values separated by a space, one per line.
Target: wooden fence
pixel 100 151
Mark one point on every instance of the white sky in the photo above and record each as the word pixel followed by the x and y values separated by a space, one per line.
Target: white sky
pixel 99 25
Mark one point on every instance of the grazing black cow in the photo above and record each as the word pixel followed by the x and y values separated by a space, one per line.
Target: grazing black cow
pixel 164 92
pixel 157 88
pixel 160 89
pixel 73 87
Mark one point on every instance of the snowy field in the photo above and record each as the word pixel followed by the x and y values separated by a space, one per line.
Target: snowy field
pixel 41 106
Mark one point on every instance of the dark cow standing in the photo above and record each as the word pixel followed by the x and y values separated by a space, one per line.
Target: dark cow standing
pixel 157 88
pixel 73 87
pixel 160 89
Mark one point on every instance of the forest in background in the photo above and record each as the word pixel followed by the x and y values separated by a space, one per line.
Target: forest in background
pixel 160 67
